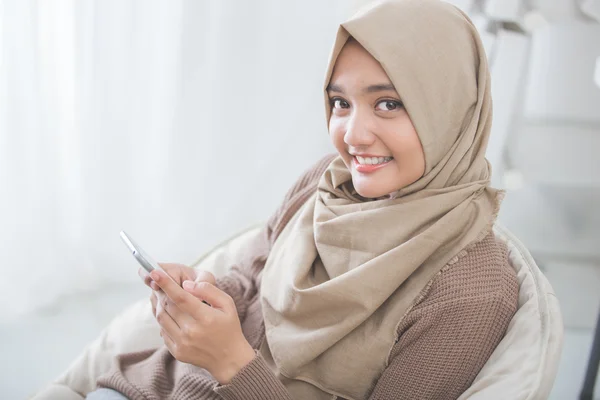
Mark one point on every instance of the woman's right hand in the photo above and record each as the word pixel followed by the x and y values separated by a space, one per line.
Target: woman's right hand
pixel 179 273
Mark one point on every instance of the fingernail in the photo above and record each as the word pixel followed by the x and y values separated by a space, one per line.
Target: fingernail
pixel 189 284
pixel 155 276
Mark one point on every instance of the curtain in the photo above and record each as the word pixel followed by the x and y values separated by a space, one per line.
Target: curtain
pixel 180 122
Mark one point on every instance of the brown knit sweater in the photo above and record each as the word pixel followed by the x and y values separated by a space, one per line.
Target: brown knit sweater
pixel 444 340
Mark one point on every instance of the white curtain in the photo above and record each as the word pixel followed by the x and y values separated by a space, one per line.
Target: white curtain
pixel 180 122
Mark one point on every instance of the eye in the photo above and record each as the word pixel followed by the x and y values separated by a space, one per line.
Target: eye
pixel 389 105
pixel 336 102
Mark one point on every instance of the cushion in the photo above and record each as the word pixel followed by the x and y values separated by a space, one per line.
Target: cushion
pixel 525 362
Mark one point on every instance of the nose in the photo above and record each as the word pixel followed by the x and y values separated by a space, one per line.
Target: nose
pixel 359 132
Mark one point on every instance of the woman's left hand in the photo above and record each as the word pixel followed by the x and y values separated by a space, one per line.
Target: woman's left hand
pixel 206 336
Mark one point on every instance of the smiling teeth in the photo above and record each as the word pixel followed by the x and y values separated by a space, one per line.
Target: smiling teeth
pixel 373 160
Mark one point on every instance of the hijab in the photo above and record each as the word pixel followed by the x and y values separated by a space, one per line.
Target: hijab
pixel 345 270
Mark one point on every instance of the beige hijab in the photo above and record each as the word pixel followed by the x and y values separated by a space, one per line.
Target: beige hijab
pixel 346 270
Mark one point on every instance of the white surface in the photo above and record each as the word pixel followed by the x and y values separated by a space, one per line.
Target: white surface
pixel 36 349
pixel 571 162
pixel 577 286
pixel 591 8
pixel 597 72
pixel 573 364
pixel 555 222
pixel 465 5
pixel 505 10
pixel 560 83
pixel 557 10
pixel 510 54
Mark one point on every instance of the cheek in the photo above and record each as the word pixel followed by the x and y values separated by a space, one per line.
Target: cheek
pixel 418 154
pixel 337 132
pixel 411 156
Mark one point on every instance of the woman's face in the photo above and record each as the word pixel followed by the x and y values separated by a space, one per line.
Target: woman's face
pixel 370 127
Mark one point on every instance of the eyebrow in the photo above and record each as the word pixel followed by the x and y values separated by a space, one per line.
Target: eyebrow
pixel 382 87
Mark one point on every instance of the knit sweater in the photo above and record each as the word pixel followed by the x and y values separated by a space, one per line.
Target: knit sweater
pixel 444 340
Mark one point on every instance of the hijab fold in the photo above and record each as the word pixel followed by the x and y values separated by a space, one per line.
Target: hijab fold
pixel 345 270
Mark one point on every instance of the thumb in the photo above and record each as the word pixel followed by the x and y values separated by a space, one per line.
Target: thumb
pixel 205 276
pixel 178 272
pixel 172 269
pixel 209 294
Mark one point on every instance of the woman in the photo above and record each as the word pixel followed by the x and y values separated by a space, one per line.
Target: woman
pixel 379 277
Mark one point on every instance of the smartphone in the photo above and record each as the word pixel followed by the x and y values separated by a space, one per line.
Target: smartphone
pixel 140 255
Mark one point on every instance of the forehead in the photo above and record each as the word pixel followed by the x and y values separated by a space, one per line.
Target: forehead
pixel 355 63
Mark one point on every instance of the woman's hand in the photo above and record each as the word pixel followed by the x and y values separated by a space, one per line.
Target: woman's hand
pixel 208 336
pixel 179 273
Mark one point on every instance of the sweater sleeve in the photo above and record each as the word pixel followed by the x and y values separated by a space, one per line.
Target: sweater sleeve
pixel 241 282
pixel 256 381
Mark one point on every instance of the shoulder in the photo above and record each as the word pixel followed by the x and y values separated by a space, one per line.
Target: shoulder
pixel 477 285
pixel 480 271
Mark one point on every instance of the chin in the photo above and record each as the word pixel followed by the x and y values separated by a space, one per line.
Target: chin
pixel 371 193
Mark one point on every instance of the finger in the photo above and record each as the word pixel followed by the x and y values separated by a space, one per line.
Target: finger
pixel 168 267
pixel 167 323
pixel 178 272
pixel 170 343
pixel 172 269
pixel 153 303
pixel 210 293
pixel 205 276
pixel 161 300
pixel 184 300
pixel 180 317
pixel 153 285
pixel 145 276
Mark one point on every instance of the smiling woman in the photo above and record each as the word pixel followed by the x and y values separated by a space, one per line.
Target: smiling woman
pixel 379 276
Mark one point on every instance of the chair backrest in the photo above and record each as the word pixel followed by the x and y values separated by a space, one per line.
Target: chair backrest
pixel 524 364
pixel 221 256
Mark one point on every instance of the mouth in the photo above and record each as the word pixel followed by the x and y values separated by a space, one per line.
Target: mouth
pixel 370 164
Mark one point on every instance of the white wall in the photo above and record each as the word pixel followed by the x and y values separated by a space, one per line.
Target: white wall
pixel 555 145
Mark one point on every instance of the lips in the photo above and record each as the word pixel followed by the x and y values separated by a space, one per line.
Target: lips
pixel 368 168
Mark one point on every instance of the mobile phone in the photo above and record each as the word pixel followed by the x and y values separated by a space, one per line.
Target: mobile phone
pixel 140 255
